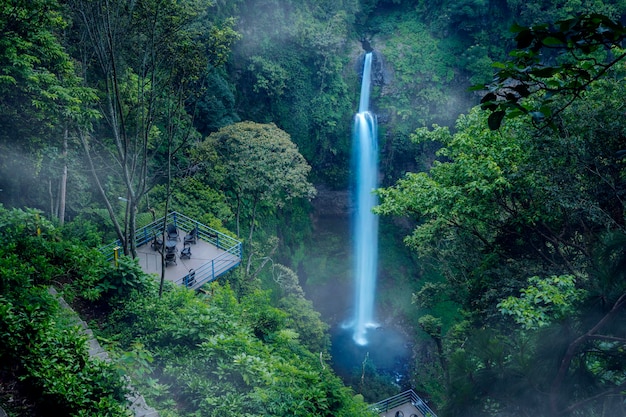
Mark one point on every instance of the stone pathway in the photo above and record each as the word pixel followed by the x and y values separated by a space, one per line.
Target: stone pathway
pixel 137 403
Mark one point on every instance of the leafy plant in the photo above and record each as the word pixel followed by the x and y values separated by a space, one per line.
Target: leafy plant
pixel 125 277
pixel 544 301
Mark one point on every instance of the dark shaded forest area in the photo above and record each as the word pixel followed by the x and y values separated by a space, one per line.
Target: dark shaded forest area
pixel 502 137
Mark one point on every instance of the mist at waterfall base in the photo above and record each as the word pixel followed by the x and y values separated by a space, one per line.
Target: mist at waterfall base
pixel 329 283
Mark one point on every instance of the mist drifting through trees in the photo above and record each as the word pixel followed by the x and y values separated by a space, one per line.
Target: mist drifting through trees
pixel 502 218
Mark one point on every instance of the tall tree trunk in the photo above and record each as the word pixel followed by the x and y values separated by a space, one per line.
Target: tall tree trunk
pixel 132 226
pixel 63 185
pixel 237 214
pixel 53 213
pixel 167 204
pixel 116 225
pixel 250 235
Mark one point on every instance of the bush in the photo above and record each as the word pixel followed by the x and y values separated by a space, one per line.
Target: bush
pixel 38 345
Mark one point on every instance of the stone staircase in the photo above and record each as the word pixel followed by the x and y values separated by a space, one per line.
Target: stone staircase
pixel 137 402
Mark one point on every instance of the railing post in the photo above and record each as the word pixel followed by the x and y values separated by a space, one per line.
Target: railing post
pixel 116 255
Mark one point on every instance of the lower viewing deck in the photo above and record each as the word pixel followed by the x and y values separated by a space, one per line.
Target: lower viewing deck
pixel 204 257
pixel 194 253
pixel 406 404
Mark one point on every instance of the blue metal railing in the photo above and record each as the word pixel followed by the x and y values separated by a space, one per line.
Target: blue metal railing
pixel 208 272
pixel 403 398
pixel 109 250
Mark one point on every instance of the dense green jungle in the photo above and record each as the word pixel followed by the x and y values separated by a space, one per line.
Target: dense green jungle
pixel 502 241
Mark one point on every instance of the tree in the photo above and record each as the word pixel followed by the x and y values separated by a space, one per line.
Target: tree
pixel 262 169
pixel 563 59
pixel 540 200
pixel 561 357
pixel 498 207
pixel 146 58
pixel 302 317
pixel 41 100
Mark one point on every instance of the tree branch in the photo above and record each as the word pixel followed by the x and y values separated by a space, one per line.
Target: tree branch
pixel 571 352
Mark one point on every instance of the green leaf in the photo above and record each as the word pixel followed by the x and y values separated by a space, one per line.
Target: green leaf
pixel 495 119
pixel 552 41
pixel 545 72
pixel 489 97
pixel 516 28
pixel 524 39
pixel 477 87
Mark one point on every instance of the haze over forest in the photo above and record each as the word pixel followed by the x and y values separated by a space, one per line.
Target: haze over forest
pixel 502 143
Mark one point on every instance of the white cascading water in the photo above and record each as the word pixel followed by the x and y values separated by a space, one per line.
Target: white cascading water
pixel 365 222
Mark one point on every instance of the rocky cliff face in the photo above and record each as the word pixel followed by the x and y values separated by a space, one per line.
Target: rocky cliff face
pixel 380 75
pixel 329 202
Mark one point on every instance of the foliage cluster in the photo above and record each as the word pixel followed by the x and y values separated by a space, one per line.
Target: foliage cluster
pixel 516 222
pixel 39 345
pixel 39 94
pixel 262 180
pixel 419 71
pixel 582 49
pixel 209 354
pixel 289 69
pixel 292 63
pixel 214 355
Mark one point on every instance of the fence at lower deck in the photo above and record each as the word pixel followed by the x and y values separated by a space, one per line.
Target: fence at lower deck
pixel 403 398
pixel 206 273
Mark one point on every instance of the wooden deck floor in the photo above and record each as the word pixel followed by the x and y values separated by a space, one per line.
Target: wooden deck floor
pixel 405 410
pixel 202 253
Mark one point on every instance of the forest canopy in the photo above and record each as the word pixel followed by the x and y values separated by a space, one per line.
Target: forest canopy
pixel 510 196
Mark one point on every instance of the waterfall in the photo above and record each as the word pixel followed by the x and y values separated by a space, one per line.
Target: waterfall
pixel 365 222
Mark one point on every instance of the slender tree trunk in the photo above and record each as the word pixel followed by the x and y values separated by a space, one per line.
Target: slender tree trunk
pixel 167 206
pixel 555 389
pixel 51 195
pixel 253 220
pixel 132 225
pixel 238 214
pixel 63 185
pixel 250 235
pixel 442 359
pixel 116 225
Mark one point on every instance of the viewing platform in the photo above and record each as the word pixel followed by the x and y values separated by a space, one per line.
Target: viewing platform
pixel 406 404
pixel 195 253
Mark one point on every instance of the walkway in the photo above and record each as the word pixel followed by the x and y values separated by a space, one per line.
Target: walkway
pixel 138 405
